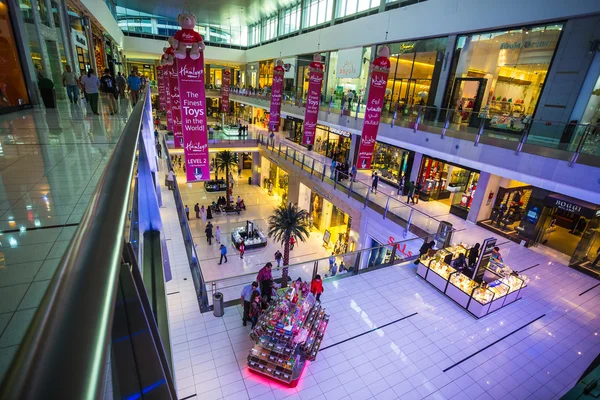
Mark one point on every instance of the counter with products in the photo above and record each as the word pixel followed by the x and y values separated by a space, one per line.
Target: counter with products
pixel 255 239
pixel 501 286
pixel 287 334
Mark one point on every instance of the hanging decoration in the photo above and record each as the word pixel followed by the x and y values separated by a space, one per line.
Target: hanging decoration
pixel 187 36
pixel 225 91
pixel 380 69
pixel 276 96
pixel 162 95
pixel 313 100
pixel 175 106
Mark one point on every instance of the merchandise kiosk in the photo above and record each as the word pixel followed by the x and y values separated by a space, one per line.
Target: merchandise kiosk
pixel 287 334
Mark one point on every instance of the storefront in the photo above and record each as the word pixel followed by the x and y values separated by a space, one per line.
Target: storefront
pixel 294 127
pixel 347 77
pixel 333 143
pixel 260 116
pixel 449 184
pixel 143 69
pixel 13 90
pixel 393 164
pixel 499 76
pixel 274 179
pixel 265 73
pixel 302 68
pixel 414 73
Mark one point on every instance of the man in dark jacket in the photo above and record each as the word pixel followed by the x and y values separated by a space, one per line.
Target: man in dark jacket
pixel 209 233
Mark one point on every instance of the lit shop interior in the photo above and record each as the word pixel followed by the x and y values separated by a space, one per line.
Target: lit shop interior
pixel 333 143
pixel 294 127
pixel 327 219
pixel 344 77
pixel 449 184
pixel 274 179
pixel 302 65
pixel 499 76
pixel 392 163
pixel 536 216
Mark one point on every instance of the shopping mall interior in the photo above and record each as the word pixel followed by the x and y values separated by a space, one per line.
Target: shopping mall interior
pixel 314 199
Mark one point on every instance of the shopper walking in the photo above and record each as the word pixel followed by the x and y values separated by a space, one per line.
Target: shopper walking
pixel 197 210
pixel 108 87
pixel 223 254
pixel 91 83
pixel 265 280
pixel 353 172
pixel 135 84
pixel 331 261
pixel 69 81
pixel 121 83
pixel 209 233
pixel 187 212
pixel 218 234
pixel 417 192
pixel 158 150
pixel 375 179
pixel 316 287
pixel 242 249
pixel 203 214
pixel 246 297
pixel 171 180
pixel 410 192
pixel 278 257
pixel 255 307
pixel 424 249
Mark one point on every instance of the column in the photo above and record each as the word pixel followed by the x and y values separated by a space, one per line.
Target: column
pixel 65 31
pixel 50 15
pixel 443 76
pixel 45 64
pixel 354 145
pixel 256 168
pixel 91 47
pixel 416 166
pixel 483 200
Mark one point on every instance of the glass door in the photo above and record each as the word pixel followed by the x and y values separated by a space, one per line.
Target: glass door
pixel 467 95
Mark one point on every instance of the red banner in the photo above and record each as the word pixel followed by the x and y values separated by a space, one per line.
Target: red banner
pixel 276 95
pixel 225 91
pixel 167 82
pixel 175 107
pixel 380 69
pixel 313 100
pixel 162 98
pixel 193 110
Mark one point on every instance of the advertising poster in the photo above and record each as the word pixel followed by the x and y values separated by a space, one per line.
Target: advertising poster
pixel 380 69
pixel 193 112
pixel 167 81
pixel 225 91
pixel 175 107
pixel 313 100
pixel 162 98
pixel 276 96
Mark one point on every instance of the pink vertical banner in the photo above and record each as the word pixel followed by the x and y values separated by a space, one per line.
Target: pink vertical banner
pixel 162 98
pixel 193 111
pixel 225 87
pixel 175 107
pixel 313 100
pixel 380 69
pixel 276 96
pixel 167 82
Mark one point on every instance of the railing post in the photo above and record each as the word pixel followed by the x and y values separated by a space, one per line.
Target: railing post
pixel 367 198
pixel 419 111
pixel 480 132
pixel 395 115
pixel 294 158
pixel 350 187
pixel 409 222
pixel 446 123
pixel 357 109
pixel 387 207
pixel 324 172
pixel 279 153
pixel 312 168
pixel 523 138
pixel 335 179
pixel 303 156
pixel 286 152
pixel 579 146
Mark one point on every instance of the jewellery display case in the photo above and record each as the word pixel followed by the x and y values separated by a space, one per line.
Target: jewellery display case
pixel 501 286
pixel 255 239
pixel 287 334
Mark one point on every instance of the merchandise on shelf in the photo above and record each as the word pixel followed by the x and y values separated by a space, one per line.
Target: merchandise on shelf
pixel 287 334
pixel 254 240
pixel 215 185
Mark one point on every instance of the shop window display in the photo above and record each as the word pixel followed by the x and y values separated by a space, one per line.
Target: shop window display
pixel 331 221
pixel 280 181
pixel 332 143
pixel 509 210
pixel 393 164
pixel 347 79
pixel 265 74
pixel 499 76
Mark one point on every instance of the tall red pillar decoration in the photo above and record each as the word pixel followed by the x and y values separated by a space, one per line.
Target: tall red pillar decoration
pixel 167 81
pixel 162 96
pixel 380 69
pixel 225 87
pixel 313 100
pixel 175 107
pixel 276 96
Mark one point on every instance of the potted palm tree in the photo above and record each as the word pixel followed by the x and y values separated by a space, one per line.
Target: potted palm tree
pixel 287 221
pixel 226 161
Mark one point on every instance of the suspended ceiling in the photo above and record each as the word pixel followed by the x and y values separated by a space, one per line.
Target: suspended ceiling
pixel 219 12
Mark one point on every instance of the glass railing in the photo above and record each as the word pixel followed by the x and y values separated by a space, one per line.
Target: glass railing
pixel 97 331
pixel 330 268
pixel 571 142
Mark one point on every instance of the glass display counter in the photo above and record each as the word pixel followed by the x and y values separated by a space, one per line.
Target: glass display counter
pixel 255 239
pixel 501 285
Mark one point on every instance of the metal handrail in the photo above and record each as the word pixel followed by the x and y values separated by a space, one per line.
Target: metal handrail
pixel 66 346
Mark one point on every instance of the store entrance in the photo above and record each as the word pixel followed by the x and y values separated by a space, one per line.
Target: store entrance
pixel 467 96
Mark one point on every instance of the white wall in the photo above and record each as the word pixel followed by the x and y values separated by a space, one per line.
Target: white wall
pixel 101 12
pixel 138 48
pixel 428 19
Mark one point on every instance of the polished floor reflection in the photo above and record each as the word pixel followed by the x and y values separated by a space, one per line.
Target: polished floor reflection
pixel 50 163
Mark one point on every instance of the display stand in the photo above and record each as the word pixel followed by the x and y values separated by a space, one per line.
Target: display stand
pixel 500 285
pixel 253 237
pixel 287 334
pixel 213 185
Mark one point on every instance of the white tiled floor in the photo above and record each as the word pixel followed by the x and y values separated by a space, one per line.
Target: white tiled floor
pixel 405 359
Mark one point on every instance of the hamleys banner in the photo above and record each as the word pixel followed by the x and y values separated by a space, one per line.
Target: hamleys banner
pixel 225 91
pixel 313 100
pixel 175 107
pixel 162 98
pixel 276 96
pixel 167 82
pixel 380 69
pixel 193 111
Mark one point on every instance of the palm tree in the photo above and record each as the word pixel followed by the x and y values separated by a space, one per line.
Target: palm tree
pixel 224 162
pixel 287 221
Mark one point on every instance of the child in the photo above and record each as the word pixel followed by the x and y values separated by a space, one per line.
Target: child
pixel 278 257
pixel 316 287
pixel 242 249
pixel 292 242
pixel 255 307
